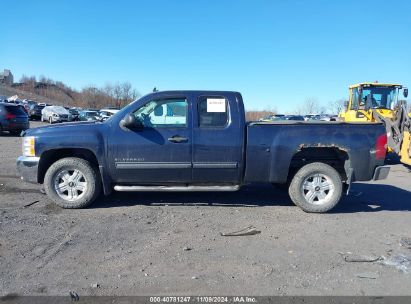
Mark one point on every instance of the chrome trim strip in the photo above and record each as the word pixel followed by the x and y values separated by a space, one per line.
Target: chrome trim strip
pixel 171 165
pixel 211 165
pixel 152 165
pixel 176 188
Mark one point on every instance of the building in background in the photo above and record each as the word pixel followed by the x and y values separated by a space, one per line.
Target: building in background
pixel 6 77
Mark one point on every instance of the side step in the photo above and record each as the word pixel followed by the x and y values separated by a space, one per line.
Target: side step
pixel 176 188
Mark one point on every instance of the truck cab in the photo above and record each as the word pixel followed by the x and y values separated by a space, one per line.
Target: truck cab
pixel 200 132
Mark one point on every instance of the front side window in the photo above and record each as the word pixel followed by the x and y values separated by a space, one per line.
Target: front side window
pixel 212 112
pixel 164 113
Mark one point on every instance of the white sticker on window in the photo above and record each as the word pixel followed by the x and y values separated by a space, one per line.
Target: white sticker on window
pixel 216 105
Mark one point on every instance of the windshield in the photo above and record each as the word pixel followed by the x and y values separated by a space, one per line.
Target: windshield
pixel 380 97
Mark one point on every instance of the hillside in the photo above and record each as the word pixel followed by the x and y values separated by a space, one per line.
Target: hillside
pixel 56 92
pixel 10 91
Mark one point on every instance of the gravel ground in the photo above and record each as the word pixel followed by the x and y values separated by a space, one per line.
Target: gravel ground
pixel 170 244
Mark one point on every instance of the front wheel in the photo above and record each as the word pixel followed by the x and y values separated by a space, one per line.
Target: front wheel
pixel 316 187
pixel 72 183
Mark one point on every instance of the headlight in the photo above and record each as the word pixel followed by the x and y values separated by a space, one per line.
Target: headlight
pixel 28 146
pixel 55 115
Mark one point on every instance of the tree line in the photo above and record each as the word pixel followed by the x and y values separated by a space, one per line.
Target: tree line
pixel 116 95
pixel 122 93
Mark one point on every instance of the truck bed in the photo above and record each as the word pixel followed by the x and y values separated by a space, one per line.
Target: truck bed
pixel 272 147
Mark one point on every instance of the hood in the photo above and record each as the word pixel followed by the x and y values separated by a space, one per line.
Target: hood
pixel 57 109
pixel 71 127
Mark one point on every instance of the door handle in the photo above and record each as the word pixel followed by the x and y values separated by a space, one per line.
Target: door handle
pixel 177 139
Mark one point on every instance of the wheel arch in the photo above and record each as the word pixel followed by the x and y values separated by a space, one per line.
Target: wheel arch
pixel 336 157
pixel 49 157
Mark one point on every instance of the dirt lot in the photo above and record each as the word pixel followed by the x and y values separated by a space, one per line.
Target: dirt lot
pixel 168 244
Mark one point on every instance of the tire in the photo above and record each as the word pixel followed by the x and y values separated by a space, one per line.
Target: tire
pixel 316 187
pixel 90 182
pixel 50 120
pixel 15 132
pixel 1 130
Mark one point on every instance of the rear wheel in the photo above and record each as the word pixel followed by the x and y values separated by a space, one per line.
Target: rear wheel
pixel 316 187
pixel 72 183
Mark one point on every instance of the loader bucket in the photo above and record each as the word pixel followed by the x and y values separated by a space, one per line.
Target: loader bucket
pixel 405 153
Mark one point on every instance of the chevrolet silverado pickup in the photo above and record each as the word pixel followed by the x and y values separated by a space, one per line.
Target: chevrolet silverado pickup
pixel 200 141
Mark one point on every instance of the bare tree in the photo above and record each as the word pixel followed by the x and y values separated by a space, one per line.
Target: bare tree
pixel 43 79
pixel 255 115
pixel 117 94
pixel 335 107
pixel 310 106
pixel 90 96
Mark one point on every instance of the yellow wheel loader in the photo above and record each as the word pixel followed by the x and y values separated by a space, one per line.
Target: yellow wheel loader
pixel 379 102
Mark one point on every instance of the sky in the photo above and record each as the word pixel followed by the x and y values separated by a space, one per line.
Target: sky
pixel 277 53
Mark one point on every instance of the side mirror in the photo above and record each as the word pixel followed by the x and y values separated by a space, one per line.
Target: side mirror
pixel 130 122
pixel 405 92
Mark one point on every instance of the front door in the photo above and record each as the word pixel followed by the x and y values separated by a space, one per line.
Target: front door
pixel 160 152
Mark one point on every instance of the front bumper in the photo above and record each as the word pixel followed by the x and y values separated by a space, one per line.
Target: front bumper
pixel 381 172
pixel 27 167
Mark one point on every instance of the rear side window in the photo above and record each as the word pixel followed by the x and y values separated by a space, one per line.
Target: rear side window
pixel 15 110
pixel 212 111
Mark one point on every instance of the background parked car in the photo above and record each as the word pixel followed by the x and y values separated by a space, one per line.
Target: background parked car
pixel 294 117
pixel 107 113
pixel 88 115
pixel 27 103
pixel 54 114
pixel 273 117
pixel 34 111
pixel 311 117
pixel 13 118
pixel 75 114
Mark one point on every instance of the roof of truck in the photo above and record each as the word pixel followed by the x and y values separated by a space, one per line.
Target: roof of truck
pixel 375 84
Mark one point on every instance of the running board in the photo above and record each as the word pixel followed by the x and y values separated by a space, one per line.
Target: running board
pixel 176 188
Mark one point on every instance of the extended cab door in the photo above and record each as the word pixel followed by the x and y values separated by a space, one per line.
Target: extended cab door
pixel 158 153
pixel 218 138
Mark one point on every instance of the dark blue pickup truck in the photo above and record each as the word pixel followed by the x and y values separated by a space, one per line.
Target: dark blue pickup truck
pixel 200 141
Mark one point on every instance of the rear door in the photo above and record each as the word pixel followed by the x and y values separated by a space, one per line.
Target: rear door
pixel 159 153
pixel 218 139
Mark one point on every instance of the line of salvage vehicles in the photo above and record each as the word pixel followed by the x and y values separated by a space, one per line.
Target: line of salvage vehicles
pixel 200 141
pixel 54 113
